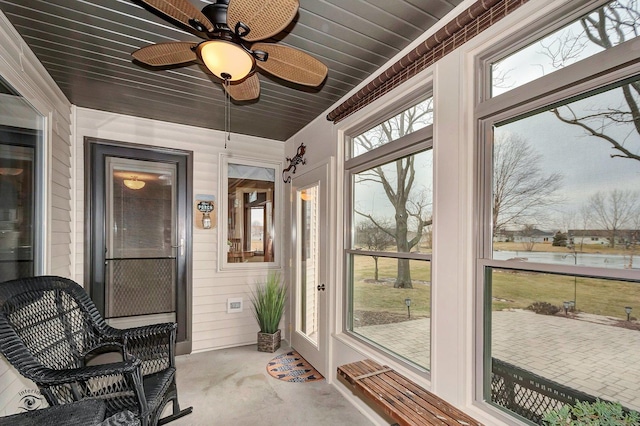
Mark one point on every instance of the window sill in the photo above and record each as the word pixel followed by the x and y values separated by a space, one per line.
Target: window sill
pixel 367 350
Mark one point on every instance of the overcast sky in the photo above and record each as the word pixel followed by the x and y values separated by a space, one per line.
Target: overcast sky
pixel 584 161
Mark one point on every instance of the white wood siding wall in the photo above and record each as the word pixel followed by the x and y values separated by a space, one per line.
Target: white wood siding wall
pixel 21 69
pixel 213 328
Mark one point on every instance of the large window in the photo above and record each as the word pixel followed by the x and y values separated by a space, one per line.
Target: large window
pixel 389 249
pixel 559 259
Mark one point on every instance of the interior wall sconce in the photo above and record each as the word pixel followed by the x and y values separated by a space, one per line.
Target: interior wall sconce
pixel 134 183
pixel 206 220
pixel 293 163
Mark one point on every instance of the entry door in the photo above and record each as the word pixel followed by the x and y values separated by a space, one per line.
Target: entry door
pixel 311 291
pixel 139 214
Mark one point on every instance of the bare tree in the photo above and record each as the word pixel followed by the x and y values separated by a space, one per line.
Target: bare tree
pixel 375 237
pixel 611 25
pixel 411 204
pixel 528 234
pixel 520 189
pixel 585 219
pixel 633 237
pixel 614 210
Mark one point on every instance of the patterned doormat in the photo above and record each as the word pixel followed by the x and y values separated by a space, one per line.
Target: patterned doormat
pixel 291 367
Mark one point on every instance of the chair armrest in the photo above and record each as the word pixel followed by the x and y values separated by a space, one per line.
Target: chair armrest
pixel 146 331
pixel 122 334
pixel 49 377
pixel 153 344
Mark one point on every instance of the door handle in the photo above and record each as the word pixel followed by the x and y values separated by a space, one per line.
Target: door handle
pixel 180 246
pixel 321 287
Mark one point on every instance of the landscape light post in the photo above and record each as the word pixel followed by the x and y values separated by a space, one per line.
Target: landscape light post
pixel 574 253
pixel 627 309
pixel 407 302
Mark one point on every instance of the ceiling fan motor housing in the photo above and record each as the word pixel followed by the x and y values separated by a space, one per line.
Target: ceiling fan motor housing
pixel 217 13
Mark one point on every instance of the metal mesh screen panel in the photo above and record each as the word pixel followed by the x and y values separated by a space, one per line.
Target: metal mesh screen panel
pixel 140 286
pixel 528 394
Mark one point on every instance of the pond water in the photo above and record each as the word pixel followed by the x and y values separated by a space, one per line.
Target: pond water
pixel 582 259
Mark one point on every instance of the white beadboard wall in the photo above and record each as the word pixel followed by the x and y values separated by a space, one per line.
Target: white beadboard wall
pixel 20 68
pixel 212 327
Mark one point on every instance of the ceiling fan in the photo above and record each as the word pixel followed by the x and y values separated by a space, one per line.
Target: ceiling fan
pixel 232 48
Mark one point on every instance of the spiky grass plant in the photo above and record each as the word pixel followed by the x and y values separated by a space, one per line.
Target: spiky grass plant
pixel 268 302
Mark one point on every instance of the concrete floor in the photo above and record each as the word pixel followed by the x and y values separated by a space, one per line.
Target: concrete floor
pixel 232 387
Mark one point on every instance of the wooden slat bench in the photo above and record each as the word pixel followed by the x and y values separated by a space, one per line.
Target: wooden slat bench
pixel 400 398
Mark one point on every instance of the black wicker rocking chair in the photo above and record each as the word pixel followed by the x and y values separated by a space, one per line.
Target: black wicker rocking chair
pixel 53 334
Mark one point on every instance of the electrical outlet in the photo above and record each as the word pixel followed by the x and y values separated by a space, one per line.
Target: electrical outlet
pixel 234 305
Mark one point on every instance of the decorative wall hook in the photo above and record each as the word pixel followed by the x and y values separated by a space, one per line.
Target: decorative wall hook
pixel 293 162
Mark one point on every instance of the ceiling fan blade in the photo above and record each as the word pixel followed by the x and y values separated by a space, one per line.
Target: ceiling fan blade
pixel 182 11
pixel 246 90
pixel 291 64
pixel 163 54
pixel 265 18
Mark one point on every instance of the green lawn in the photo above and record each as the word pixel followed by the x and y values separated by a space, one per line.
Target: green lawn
pixel 381 296
pixel 594 296
pixel 510 290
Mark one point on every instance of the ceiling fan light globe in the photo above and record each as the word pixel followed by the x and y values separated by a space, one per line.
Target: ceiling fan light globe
pixel 224 59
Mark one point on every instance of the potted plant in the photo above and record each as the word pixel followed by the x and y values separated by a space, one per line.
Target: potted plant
pixel 268 306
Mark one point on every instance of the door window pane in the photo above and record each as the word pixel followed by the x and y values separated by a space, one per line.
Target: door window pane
pixel 308 231
pixel 142 247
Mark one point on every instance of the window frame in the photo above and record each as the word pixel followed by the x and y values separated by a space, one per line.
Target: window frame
pixel 410 144
pixel 564 15
pixel 594 74
pixel 223 217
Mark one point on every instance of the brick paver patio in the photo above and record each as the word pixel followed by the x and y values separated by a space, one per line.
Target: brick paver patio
pixel 596 358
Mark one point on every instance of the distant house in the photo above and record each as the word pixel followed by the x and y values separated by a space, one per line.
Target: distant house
pixel 602 236
pixel 533 236
pixel 523 236
pixel 503 236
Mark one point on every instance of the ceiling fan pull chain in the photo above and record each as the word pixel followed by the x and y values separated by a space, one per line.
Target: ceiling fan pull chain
pixel 227 113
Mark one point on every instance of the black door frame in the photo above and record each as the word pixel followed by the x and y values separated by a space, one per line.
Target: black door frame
pixel 96 152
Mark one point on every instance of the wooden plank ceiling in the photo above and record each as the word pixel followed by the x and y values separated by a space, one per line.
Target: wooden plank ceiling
pixel 86 46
